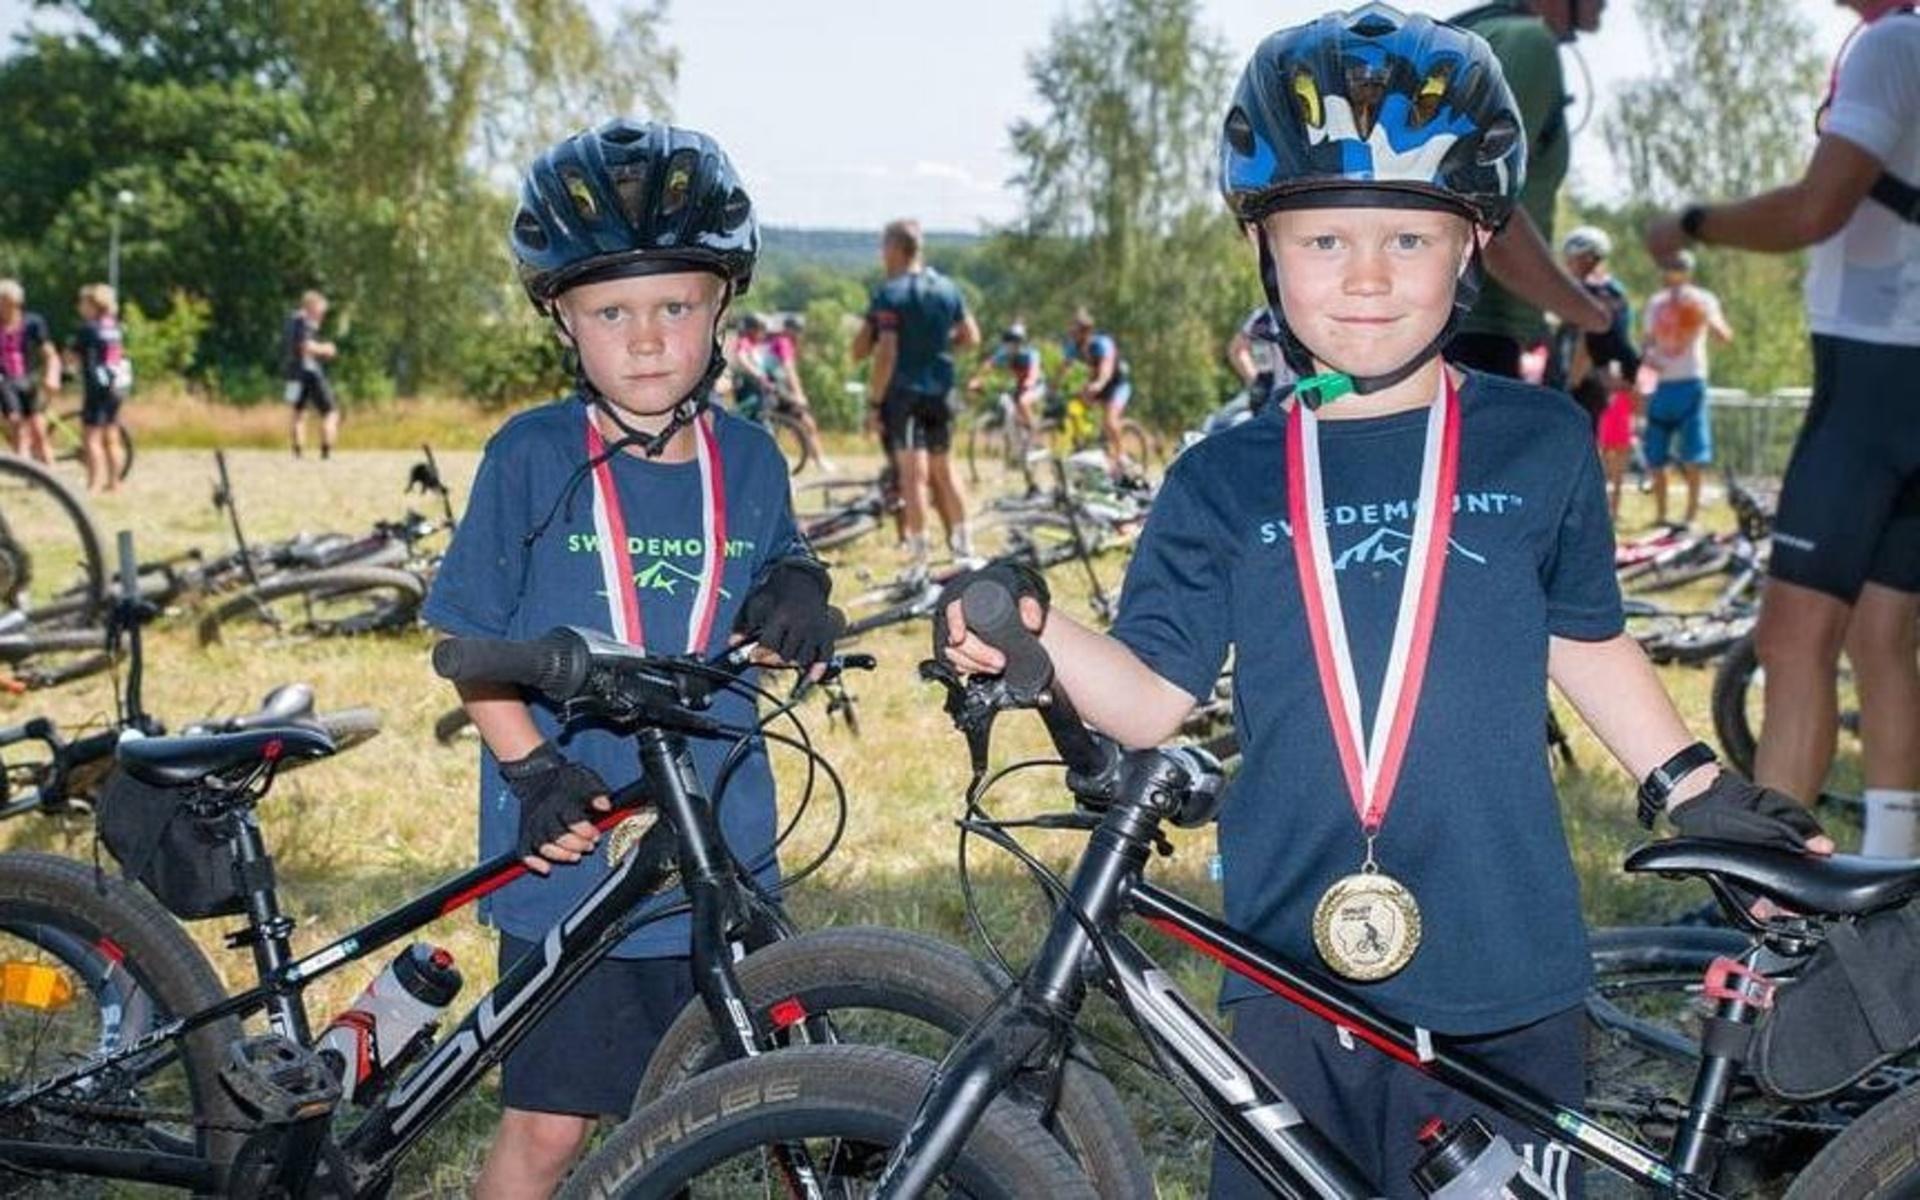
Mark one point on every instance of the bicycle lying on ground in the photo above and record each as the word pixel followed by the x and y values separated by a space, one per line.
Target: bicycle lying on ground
pixel 844 1106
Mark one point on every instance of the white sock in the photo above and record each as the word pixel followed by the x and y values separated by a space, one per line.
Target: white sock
pixel 1893 821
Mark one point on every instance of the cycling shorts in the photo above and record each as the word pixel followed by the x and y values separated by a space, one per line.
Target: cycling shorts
pixel 19 397
pixel 1116 395
pixel 100 407
pixel 911 420
pixel 1850 505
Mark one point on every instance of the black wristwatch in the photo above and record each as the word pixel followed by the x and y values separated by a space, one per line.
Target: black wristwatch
pixel 1659 785
pixel 1692 217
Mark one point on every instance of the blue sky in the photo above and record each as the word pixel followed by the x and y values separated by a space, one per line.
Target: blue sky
pixel 846 113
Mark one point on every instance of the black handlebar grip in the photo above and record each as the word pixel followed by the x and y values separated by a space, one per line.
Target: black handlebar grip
pixel 554 664
pixel 994 615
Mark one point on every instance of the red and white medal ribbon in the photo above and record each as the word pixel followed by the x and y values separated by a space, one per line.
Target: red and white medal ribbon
pixel 1372 765
pixel 616 561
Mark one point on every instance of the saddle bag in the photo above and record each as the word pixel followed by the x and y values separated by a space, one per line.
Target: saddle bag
pixel 1854 1005
pixel 161 842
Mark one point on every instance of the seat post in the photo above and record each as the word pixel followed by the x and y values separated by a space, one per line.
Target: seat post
pixel 1739 994
pixel 268 933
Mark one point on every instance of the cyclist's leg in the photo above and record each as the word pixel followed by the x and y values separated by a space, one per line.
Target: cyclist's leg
pixel 38 447
pixel 329 410
pixel 1837 502
pixel 906 442
pixel 581 1062
pixel 109 431
pixel 13 409
pixel 1656 440
pixel 937 414
pixel 296 397
pixel 1696 444
pixel 1881 646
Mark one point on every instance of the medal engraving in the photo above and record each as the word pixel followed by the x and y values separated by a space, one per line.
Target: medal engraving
pixel 1367 926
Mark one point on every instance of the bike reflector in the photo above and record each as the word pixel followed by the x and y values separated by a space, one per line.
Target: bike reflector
pixel 34 985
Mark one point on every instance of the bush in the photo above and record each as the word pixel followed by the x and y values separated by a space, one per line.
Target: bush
pixel 510 362
pixel 163 348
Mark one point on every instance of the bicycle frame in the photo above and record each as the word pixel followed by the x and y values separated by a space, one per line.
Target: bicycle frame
pixel 1035 1016
pixel 731 917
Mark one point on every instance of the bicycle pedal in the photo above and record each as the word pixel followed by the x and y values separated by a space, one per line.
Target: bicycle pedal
pixel 278 1081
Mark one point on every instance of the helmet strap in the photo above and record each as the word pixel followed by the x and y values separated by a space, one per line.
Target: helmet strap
pixel 685 411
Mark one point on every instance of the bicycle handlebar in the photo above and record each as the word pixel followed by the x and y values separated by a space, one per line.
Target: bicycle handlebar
pixel 554 664
pixel 993 615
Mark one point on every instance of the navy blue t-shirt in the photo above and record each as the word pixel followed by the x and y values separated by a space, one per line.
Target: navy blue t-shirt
pixel 921 307
pixel 1474 829
pixel 492 585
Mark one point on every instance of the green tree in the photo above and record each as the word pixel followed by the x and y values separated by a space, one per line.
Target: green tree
pixel 1706 123
pixel 1118 175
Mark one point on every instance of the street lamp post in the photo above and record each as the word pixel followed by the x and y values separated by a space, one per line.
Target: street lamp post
pixel 123 199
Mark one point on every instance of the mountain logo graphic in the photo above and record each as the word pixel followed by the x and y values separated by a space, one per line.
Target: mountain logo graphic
pixel 663 576
pixel 1386 545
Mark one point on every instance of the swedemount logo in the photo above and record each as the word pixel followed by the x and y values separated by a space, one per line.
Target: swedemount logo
pixel 1378 541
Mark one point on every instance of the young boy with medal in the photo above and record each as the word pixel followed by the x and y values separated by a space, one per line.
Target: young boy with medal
pixel 1400 559
pixel 635 507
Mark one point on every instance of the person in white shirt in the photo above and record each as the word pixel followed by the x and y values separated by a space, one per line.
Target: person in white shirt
pixel 1846 543
pixel 1679 317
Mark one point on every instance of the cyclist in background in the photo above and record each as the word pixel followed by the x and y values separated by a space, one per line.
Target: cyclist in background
pixel 1598 369
pixel 1109 382
pixel 1679 317
pixel 303 360
pixel 783 363
pixel 29 366
pixel 1255 354
pixel 1021 361
pixel 748 359
pixel 106 373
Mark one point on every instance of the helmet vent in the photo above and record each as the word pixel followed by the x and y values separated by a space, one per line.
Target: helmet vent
pixel 1373 25
pixel 623 133
pixel 528 231
pixel 1240 132
pixel 738 209
pixel 630 185
pixel 1366 89
pixel 1306 94
pixel 581 193
pixel 678 187
pixel 1501 134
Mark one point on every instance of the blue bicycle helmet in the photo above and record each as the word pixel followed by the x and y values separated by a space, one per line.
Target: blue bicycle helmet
pixel 1389 107
pixel 632 198
pixel 1371 108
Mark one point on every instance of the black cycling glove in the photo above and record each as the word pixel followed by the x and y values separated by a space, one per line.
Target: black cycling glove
pixel 787 612
pixel 553 793
pixel 1022 579
pixel 1733 810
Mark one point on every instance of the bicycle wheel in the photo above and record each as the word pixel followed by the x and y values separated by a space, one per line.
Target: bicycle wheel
pixel 1138 444
pixel 824 531
pixel 338 602
pixel 845 1105
pixel 1876 1158
pixel 69 442
pixel 791 436
pixel 90 965
pixel 907 992
pixel 49 546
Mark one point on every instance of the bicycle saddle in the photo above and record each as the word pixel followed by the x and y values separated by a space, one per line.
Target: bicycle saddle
pixel 176 761
pixel 286 703
pixel 1838 885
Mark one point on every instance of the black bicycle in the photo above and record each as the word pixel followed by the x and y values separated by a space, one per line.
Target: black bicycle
pixel 845 1104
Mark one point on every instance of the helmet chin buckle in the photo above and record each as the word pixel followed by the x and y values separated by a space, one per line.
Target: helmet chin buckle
pixel 1324 388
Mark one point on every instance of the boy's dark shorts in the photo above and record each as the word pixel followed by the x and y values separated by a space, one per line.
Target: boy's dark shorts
pixel 911 420
pixel 587 1055
pixel 1373 1107
pixel 100 408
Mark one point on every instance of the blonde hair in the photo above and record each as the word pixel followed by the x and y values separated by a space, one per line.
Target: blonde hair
pixel 100 298
pixel 311 297
pixel 12 292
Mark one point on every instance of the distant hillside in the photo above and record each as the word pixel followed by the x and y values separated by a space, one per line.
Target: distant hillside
pixel 853 250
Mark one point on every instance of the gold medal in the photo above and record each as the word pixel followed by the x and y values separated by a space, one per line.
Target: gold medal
pixel 627 834
pixel 1367 926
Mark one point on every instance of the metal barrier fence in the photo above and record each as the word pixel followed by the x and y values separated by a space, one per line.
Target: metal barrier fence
pixel 1753 435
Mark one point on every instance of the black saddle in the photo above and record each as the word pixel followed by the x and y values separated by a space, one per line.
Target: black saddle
pixel 177 761
pixel 288 704
pixel 1838 885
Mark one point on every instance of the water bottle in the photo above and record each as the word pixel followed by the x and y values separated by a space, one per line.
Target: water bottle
pixel 391 1023
pixel 1472 1162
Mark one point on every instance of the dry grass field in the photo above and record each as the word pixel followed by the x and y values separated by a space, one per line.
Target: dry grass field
pixel 356 835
